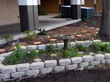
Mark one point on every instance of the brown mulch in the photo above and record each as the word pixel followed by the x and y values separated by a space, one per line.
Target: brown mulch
pixel 91 75
pixel 68 29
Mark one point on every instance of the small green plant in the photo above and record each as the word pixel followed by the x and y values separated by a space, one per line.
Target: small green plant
pixel 30 35
pixel 59 16
pixel 83 20
pixel 41 32
pixel 71 52
pixel 75 33
pixel 94 22
pixel 8 37
pixel 49 48
pixel 84 31
pixel 43 12
pixel 81 47
pixel 96 46
pixel 20 55
pixel 55 36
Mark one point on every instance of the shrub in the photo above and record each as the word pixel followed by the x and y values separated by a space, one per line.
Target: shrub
pixel 49 48
pixel 30 35
pixel 41 32
pixel 20 55
pixel 59 16
pixel 81 47
pixel 8 37
pixel 43 12
pixel 83 20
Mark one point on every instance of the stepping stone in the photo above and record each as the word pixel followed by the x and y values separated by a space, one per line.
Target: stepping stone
pixel 2 50
pixel 91 28
pixel 97 29
pixel 52 40
pixel 79 35
pixel 36 43
pixel 89 34
pixel 86 26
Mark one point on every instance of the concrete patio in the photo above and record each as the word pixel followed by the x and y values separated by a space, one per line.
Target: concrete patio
pixel 46 22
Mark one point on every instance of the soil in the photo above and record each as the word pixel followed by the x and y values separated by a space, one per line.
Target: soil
pixel 87 29
pixel 87 75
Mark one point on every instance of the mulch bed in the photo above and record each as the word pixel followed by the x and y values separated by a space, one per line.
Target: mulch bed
pixel 88 26
pixel 88 75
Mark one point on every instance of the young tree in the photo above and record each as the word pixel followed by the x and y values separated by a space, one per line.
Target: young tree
pixel 104 31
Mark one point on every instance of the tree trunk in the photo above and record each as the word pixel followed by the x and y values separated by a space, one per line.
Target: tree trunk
pixel 104 31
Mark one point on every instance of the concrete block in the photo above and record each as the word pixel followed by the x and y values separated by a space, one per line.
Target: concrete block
pixel 73 44
pixel 88 58
pixel 1 66
pixel 64 62
pixel 59 68
pixel 87 43
pixel 18 74
pixel 32 72
pixel 80 69
pixel 23 67
pixel 93 63
pixel 6 54
pixel 98 57
pixel 76 60
pixel 71 67
pixel 37 65
pixel 1 59
pixel 60 45
pixel 41 47
pixel 32 47
pixel 4 76
pixel 107 55
pixel 84 64
pixel 50 63
pixel 80 42
pixel 96 41
pixel 90 67
pixel 107 61
pixel 46 70
pixel 9 69
pixel 102 61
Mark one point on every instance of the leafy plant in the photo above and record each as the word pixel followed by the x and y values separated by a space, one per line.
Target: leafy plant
pixel 41 32
pixel 71 52
pixel 8 37
pixel 30 35
pixel 83 20
pixel 75 33
pixel 43 12
pixel 81 47
pixel 55 36
pixel 49 48
pixel 59 16
pixel 84 31
pixel 94 22
pixel 20 55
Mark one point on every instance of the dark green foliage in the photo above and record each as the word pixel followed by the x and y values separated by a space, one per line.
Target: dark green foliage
pixel 59 16
pixel 83 20
pixel 8 37
pixel 49 48
pixel 81 47
pixel 43 12
pixel 41 32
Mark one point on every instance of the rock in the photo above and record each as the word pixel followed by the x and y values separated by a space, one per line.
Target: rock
pixel 42 47
pixel 50 63
pixel 32 72
pixel 59 68
pixel 4 76
pixel 18 74
pixel 93 63
pixel 98 57
pixel 64 62
pixel 46 70
pixel 88 58
pixel 76 60
pixel 71 67
pixel 37 65
pixel 84 64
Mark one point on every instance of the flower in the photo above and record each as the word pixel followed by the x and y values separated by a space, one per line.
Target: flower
pixel 28 52
pixel 48 37
pixel 13 43
pixel 14 47
pixel 76 41
pixel 37 51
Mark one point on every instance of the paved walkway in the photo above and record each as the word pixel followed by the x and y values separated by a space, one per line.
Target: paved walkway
pixel 46 22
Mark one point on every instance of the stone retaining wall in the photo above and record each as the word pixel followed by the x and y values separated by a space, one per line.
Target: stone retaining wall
pixel 37 68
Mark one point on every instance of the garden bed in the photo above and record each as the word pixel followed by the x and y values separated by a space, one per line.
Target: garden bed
pixel 71 61
pixel 82 31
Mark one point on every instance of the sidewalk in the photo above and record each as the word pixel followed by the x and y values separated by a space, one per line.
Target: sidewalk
pixel 47 22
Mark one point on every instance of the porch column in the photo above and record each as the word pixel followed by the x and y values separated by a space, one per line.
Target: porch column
pixel 95 4
pixel 75 9
pixel 59 5
pixel 82 2
pixel 28 10
pixel 39 5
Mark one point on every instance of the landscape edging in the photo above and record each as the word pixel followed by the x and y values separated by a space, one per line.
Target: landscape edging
pixel 37 68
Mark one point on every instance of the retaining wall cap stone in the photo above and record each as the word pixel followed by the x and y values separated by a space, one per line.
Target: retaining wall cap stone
pixel 9 69
pixel 37 65
pixel 50 63
pixel 76 60
pixel 107 55
pixel 98 57
pixel 64 62
pixel 23 67
pixel 88 58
